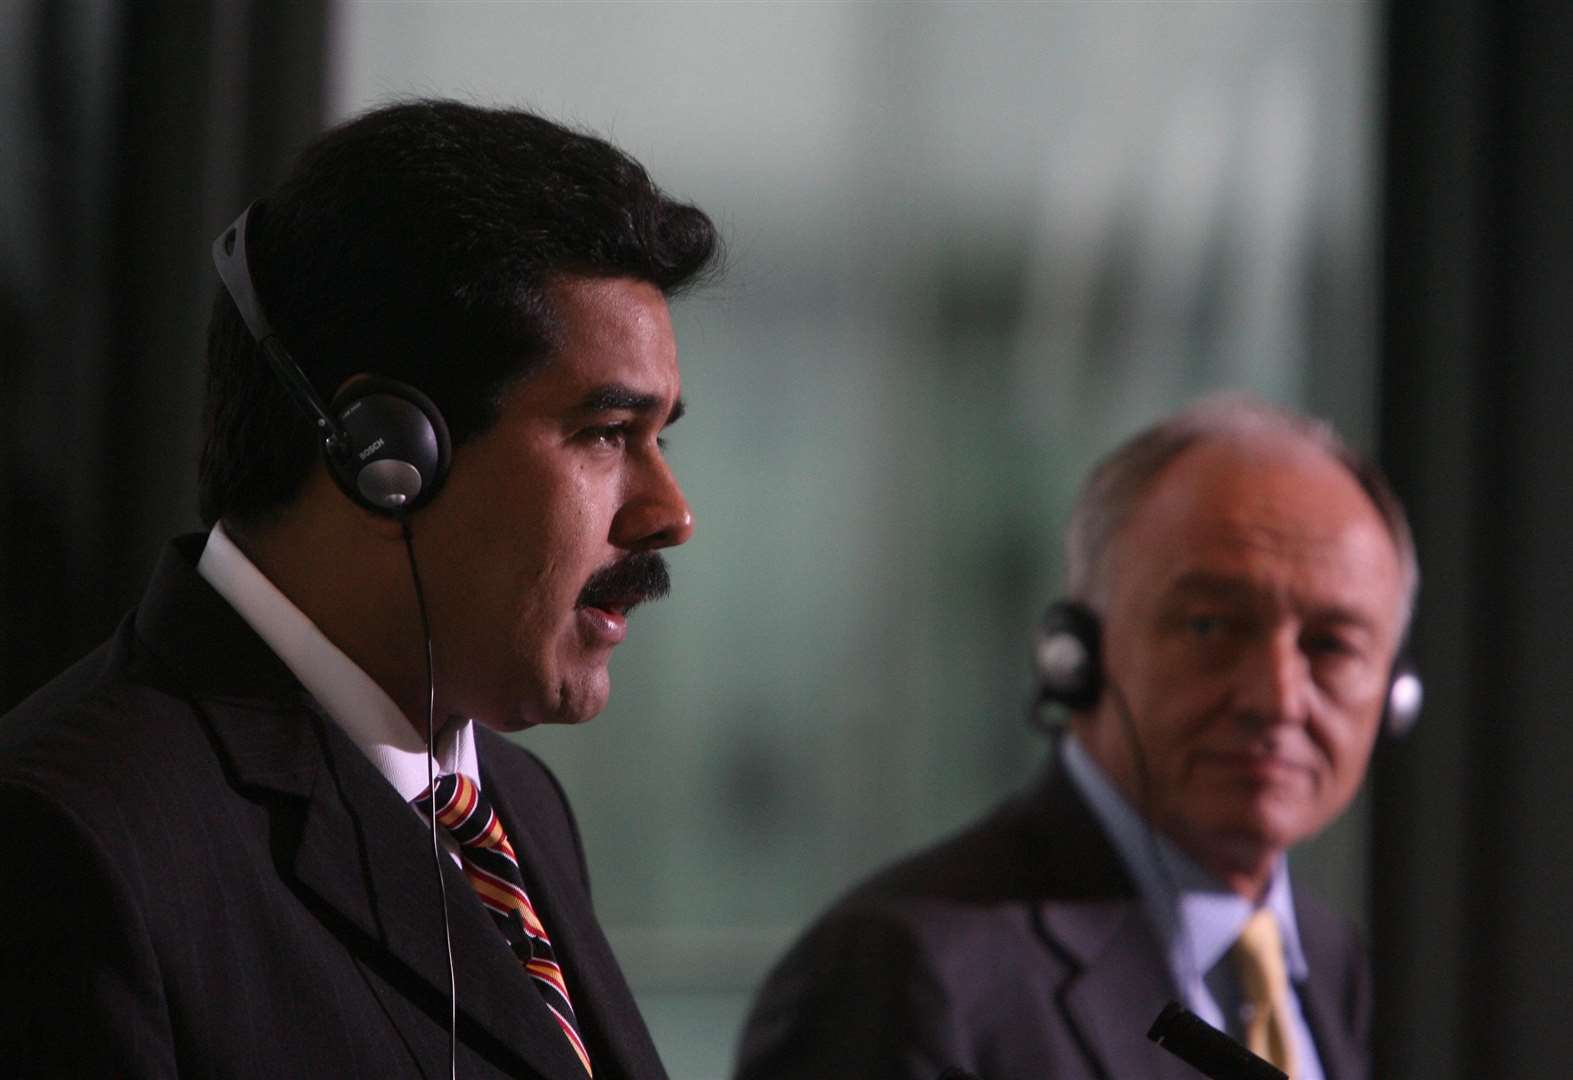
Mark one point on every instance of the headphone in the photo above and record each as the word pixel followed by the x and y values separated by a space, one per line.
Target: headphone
pixel 1067 658
pixel 384 442
pixel 386 445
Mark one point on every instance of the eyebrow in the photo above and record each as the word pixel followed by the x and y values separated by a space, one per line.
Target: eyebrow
pixel 618 397
pixel 1222 587
pixel 1199 582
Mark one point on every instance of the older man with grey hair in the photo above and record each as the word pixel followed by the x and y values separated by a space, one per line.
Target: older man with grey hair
pixel 1240 583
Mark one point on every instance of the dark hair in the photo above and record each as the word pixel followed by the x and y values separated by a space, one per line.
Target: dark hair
pixel 420 242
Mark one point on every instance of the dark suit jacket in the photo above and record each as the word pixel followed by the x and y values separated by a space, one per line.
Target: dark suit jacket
pixel 202 876
pixel 1017 949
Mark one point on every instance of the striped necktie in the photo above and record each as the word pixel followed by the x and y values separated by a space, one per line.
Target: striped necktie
pixel 493 871
pixel 1259 954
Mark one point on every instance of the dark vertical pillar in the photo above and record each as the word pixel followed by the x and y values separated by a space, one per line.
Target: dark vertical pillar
pixel 139 131
pixel 1471 818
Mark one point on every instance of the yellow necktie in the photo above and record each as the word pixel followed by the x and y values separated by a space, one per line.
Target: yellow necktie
pixel 1259 956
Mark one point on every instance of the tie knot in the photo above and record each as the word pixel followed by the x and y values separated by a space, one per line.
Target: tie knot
pixel 1261 953
pixel 463 809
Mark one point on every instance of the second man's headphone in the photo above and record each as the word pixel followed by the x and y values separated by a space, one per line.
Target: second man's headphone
pixel 1068 661
pixel 384 442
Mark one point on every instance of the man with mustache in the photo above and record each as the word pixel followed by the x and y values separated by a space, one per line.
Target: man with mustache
pixel 270 827
pixel 1239 585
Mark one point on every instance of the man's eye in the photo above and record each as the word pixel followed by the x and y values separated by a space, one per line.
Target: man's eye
pixel 1328 645
pixel 1204 626
pixel 607 434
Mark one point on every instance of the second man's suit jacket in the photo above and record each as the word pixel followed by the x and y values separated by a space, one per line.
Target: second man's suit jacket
pixel 1017 949
pixel 204 877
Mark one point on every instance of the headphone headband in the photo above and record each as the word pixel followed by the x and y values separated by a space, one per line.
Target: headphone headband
pixel 384 443
pixel 234 270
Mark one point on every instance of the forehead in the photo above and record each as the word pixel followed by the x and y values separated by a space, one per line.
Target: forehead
pixel 1270 514
pixel 611 332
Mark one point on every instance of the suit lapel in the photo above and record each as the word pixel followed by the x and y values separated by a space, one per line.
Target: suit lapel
pixel 1118 989
pixel 395 899
pixel 618 1041
pixel 1095 919
pixel 1343 1056
pixel 357 847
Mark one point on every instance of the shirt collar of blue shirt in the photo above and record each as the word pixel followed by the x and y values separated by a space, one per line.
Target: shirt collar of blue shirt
pixel 1194 916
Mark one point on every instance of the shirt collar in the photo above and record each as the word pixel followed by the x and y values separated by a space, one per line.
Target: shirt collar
pixel 341 689
pixel 1196 918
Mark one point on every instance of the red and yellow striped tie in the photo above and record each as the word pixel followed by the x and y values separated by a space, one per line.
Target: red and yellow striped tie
pixel 493 870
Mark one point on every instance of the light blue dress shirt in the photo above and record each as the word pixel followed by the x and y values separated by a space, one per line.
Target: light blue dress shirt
pixel 1195 918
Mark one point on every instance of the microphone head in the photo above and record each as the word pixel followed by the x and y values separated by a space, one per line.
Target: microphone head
pixel 1206 1049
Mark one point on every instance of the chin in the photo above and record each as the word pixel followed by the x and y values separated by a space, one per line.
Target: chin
pixel 1273 829
pixel 1249 822
pixel 510 724
pixel 580 702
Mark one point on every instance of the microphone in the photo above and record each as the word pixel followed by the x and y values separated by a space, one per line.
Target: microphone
pixel 1206 1049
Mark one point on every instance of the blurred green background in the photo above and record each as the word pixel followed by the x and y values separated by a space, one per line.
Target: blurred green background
pixel 971 245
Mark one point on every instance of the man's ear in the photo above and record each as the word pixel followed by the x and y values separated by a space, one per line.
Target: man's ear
pixel 322 501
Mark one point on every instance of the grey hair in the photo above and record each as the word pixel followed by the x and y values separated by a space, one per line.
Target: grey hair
pixel 1121 480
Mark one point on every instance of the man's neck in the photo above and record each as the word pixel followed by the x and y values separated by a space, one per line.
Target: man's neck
pixel 338 688
pixel 1236 863
pixel 352 597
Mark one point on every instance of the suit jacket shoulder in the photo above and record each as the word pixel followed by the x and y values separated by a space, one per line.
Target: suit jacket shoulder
pixel 983 951
pixel 217 881
pixel 1017 948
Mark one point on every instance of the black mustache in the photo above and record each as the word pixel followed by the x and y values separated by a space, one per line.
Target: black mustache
pixel 632 580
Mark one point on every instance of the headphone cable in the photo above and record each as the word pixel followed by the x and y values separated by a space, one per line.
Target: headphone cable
pixel 1054 729
pixel 1192 972
pixel 431 799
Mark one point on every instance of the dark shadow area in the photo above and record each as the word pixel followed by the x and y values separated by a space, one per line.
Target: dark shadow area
pixel 138 131
pixel 1471 881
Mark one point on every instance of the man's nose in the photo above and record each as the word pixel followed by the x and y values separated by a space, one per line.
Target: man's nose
pixel 1274 679
pixel 655 514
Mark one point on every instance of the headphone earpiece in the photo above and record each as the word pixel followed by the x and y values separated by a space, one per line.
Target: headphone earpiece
pixel 1067 656
pixel 1068 660
pixel 397 449
pixel 1405 694
pixel 384 442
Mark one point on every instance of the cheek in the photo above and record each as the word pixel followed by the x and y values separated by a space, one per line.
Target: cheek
pixel 548 522
pixel 1162 675
pixel 1182 717
pixel 577 508
pixel 556 550
pixel 1347 745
